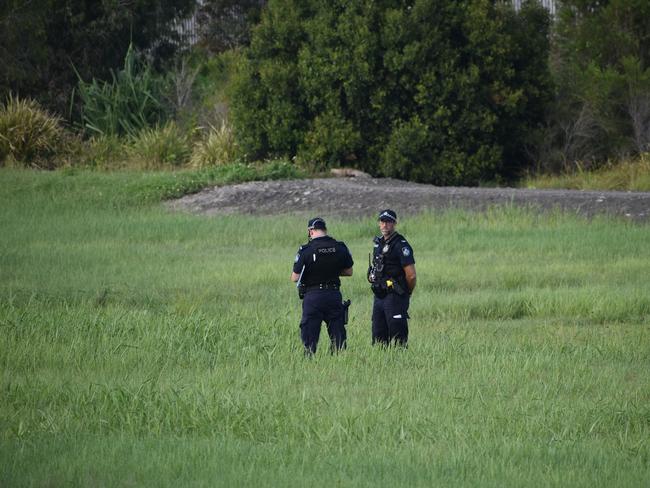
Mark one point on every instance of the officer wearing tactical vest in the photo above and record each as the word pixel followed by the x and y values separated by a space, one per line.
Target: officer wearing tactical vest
pixel 391 274
pixel 317 268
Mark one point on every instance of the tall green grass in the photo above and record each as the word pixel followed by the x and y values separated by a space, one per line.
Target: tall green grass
pixel 143 347
pixel 626 175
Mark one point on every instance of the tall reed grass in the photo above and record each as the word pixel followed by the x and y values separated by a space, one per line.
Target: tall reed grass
pixel 159 147
pixel 29 135
pixel 125 105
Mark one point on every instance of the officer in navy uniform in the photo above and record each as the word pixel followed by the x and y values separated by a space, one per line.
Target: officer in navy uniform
pixel 318 265
pixel 392 278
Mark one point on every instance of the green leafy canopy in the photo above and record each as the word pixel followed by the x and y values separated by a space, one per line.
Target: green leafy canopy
pixel 436 91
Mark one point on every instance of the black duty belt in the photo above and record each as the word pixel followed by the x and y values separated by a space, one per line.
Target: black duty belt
pixel 323 286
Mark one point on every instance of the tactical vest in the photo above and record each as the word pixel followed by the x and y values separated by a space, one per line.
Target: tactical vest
pixel 392 267
pixel 324 260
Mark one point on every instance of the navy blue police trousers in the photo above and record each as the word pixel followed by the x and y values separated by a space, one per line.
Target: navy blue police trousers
pixel 322 306
pixel 389 319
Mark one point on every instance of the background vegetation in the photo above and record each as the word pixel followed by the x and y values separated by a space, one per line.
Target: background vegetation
pixel 601 66
pixel 433 91
pixel 630 175
pixel 43 42
pixel 143 347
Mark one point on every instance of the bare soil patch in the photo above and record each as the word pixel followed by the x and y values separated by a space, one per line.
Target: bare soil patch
pixel 362 197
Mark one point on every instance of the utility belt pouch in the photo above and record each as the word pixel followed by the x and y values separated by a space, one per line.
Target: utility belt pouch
pixel 398 289
pixel 379 290
pixel 302 288
pixel 346 309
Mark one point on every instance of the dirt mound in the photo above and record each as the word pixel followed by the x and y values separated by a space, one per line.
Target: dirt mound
pixel 365 196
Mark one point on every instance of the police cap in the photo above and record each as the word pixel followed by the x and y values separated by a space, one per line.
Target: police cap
pixel 316 223
pixel 388 215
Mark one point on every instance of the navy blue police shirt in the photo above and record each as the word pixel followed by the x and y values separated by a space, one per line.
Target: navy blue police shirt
pixel 324 258
pixel 397 254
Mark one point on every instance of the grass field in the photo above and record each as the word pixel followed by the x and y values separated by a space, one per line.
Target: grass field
pixel 144 348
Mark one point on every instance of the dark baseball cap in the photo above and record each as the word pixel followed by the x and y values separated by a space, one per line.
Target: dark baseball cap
pixel 316 223
pixel 388 215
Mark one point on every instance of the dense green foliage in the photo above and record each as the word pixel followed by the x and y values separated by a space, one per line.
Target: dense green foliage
pixel 443 92
pixel 41 41
pixel 142 347
pixel 601 64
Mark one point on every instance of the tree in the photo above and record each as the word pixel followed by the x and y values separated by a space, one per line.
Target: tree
pixel 427 90
pixel 267 106
pixel 601 61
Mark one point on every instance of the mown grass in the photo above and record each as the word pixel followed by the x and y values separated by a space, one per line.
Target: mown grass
pixel 625 175
pixel 142 347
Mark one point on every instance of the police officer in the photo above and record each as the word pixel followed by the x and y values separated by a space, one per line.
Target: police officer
pixel 318 265
pixel 392 278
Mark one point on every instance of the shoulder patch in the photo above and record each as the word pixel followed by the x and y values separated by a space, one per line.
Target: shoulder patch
pixel 406 252
pixel 297 258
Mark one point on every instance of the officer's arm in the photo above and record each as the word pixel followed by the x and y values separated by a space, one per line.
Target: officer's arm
pixel 348 261
pixel 409 271
pixel 298 265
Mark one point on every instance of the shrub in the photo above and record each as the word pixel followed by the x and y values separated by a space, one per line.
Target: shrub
pixel 160 146
pixel 130 102
pixel 415 152
pixel 279 169
pixel 237 172
pixel 217 148
pixel 408 153
pixel 103 152
pixel 29 135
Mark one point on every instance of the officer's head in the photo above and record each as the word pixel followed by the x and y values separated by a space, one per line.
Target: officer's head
pixel 387 222
pixel 316 227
